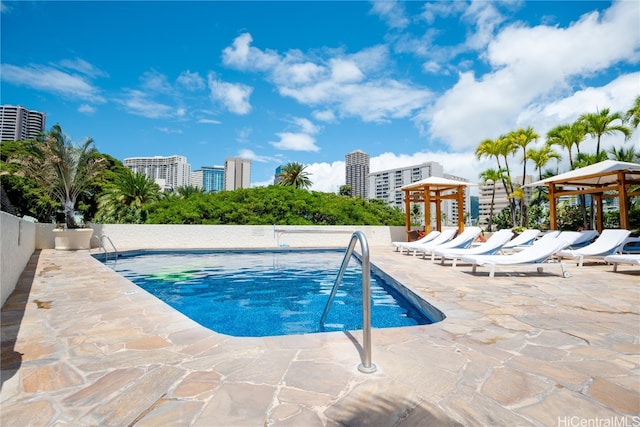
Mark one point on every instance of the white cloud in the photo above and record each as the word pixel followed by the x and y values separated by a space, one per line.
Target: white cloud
pixel 52 80
pixel 251 155
pixel 234 96
pixel 295 142
pixel 345 71
pixel 86 109
pixel 138 103
pixel 531 66
pixel 392 12
pixel 190 81
pixel 242 56
pixel 324 115
pixel 83 67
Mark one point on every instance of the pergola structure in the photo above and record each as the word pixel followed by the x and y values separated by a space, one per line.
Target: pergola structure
pixel 602 180
pixel 434 190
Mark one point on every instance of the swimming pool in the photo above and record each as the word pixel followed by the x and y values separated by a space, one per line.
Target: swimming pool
pixel 266 293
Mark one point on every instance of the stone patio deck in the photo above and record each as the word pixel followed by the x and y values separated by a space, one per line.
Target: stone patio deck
pixel 81 346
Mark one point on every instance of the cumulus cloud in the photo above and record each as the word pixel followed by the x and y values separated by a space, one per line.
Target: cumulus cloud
pixel 349 85
pixel 530 65
pixel 233 96
pixel 295 142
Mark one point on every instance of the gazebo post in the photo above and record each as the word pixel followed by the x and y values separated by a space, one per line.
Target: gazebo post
pixel 460 210
pixel 553 222
pixel 622 201
pixel 438 211
pixel 407 212
pixel 600 212
pixel 427 209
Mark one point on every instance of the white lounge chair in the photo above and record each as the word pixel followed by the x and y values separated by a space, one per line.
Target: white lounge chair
pixel 633 259
pixel 462 240
pixel 526 238
pixel 608 243
pixel 586 237
pixel 551 234
pixel 536 254
pixel 429 237
pixel 490 247
pixel 444 236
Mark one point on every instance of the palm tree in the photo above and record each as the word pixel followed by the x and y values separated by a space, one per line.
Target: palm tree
pixel 492 176
pixel 294 174
pixel 566 136
pixel 123 201
pixel 65 170
pixel 520 139
pixel 541 157
pixel 622 155
pixel 601 123
pixel 633 114
pixel 500 148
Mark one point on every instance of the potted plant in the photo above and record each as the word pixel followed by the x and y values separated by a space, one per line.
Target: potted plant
pixel 66 171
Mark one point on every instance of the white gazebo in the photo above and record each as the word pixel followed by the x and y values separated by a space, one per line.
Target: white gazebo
pixel 434 190
pixel 606 179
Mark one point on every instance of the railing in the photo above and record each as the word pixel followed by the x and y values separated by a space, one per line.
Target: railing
pixel 100 241
pixel 366 366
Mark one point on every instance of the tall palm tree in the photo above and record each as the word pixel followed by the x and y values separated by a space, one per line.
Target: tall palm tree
pixel 492 176
pixel 520 139
pixel 501 148
pixel 601 123
pixel 633 114
pixel 567 136
pixel 64 169
pixel 541 157
pixel 294 174
pixel 123 201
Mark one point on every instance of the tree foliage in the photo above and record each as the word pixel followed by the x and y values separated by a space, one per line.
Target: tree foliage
pixel 275 204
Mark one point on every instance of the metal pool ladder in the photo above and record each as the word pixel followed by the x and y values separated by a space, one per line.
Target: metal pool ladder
pixel 366 366
pixel 100 241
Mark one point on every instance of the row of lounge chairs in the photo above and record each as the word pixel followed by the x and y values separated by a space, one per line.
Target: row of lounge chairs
pixel 528 248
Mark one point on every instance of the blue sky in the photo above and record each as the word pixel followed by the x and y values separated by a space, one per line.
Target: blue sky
pixel 311 81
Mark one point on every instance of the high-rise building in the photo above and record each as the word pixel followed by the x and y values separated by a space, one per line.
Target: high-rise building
pixel 17 123
pixel 357 173
pixel 213 178
pixel 277 178
pixel 168 172
pixel 237 173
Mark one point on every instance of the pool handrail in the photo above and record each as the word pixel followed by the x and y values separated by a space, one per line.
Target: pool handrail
pixel 366 366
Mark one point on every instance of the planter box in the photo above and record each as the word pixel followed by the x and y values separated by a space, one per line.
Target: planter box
pixel 73 239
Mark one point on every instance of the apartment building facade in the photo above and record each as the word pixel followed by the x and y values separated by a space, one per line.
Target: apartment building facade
pixel 387 185
pixel 209 178
pixel 237 173
pixel 500 199
pixel 18 123
pixel 357 173
pixel 168 172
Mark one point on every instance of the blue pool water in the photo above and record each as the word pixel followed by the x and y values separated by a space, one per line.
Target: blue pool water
pixel 268 293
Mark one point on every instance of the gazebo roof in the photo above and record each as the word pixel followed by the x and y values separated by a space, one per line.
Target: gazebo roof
pixel 602 173
pixel 436 183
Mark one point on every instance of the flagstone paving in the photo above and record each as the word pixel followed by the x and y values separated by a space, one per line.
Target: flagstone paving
pixel 82 346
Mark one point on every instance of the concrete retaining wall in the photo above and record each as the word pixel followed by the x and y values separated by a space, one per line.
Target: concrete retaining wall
pixel 132 236
pixel 17 243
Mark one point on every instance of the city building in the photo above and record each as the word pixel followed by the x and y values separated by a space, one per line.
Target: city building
pixel 357 173
pixel 17 123
pixel 168 172
pixel 237 173
pixel 277 178
pixel 387 185
pixel 500 200
pixel 209 178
